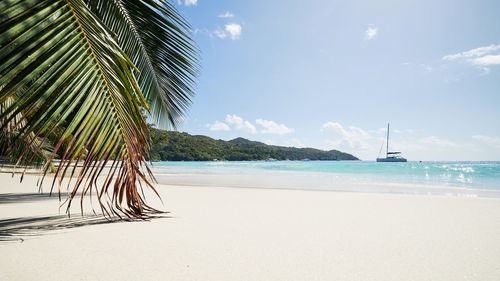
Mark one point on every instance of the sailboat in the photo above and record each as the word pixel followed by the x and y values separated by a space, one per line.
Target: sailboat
pixel 391 156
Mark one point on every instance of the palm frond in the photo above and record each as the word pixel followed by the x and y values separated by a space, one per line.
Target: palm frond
pixel 63 68
pixel 28 151
pixel 156 38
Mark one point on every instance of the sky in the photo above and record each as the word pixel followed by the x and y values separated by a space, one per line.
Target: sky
pixel 332 74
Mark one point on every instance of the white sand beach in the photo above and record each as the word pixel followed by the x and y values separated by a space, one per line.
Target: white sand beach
pixel 224 233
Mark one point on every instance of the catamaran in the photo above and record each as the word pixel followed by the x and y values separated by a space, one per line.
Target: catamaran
pixel 391 156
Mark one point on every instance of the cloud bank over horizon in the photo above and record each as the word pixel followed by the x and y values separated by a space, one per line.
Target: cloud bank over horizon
pixel 235 122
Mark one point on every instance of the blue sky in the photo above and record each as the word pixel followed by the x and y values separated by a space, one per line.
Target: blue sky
pixel 331 74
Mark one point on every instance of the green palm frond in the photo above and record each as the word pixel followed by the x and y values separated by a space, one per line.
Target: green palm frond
pixel 155 37
pixel 28 151
pixel 72 82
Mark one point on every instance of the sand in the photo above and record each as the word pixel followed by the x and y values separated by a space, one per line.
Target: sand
pixel 223 233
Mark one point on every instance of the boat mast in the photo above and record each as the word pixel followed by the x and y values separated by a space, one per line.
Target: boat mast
pixel 387 149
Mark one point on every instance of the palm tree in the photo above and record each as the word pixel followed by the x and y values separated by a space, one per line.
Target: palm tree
pixel 77 75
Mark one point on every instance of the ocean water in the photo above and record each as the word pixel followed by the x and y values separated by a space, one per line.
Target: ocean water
pixel 439 178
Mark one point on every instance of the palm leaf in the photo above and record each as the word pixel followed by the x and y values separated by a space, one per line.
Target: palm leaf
pixel 26 150
pixel 155 37
pixel 63 68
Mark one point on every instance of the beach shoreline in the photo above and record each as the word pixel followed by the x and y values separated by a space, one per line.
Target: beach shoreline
pixel 227 233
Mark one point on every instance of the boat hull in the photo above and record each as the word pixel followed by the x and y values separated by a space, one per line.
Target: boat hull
pixel 391 160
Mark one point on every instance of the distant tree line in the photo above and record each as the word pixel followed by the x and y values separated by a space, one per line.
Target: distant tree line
pixel 175 146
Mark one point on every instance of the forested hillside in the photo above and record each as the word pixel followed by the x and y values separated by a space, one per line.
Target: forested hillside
pixel 175 146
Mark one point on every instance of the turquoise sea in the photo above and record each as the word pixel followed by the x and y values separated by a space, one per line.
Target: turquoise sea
pixel 441 178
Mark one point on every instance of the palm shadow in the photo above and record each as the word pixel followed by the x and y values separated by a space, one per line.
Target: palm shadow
pixel 14 229
pixel 7 198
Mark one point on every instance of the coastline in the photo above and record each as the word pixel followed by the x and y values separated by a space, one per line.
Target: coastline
pixel 462 179
pixel 227 233
pixel 285 180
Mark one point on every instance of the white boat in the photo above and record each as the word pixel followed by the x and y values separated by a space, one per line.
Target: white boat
pixel 391 156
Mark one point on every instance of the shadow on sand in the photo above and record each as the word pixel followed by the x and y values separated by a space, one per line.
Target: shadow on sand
pixel 15 229
pixel 6 198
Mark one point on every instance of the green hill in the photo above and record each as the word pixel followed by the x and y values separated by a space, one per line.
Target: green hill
pixel 175 146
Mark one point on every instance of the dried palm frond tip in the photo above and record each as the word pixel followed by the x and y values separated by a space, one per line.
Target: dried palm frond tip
pixel 77 74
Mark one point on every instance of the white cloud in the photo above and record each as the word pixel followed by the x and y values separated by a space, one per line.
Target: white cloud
pixel 479 57
pixel 218 126
pixel 335 127
pixel 233 121
pixel 297 143
pixel 226 15
pixel 339 129
pixel 204 31
pixel 491 141
pixel 473 53
pixel 359 132
pixel 371 32
pixel 240 124
pixel 234 30
pixel 486 60
pixel 190 2
pixel 351 138
pixel 220 33
pixel 271 127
